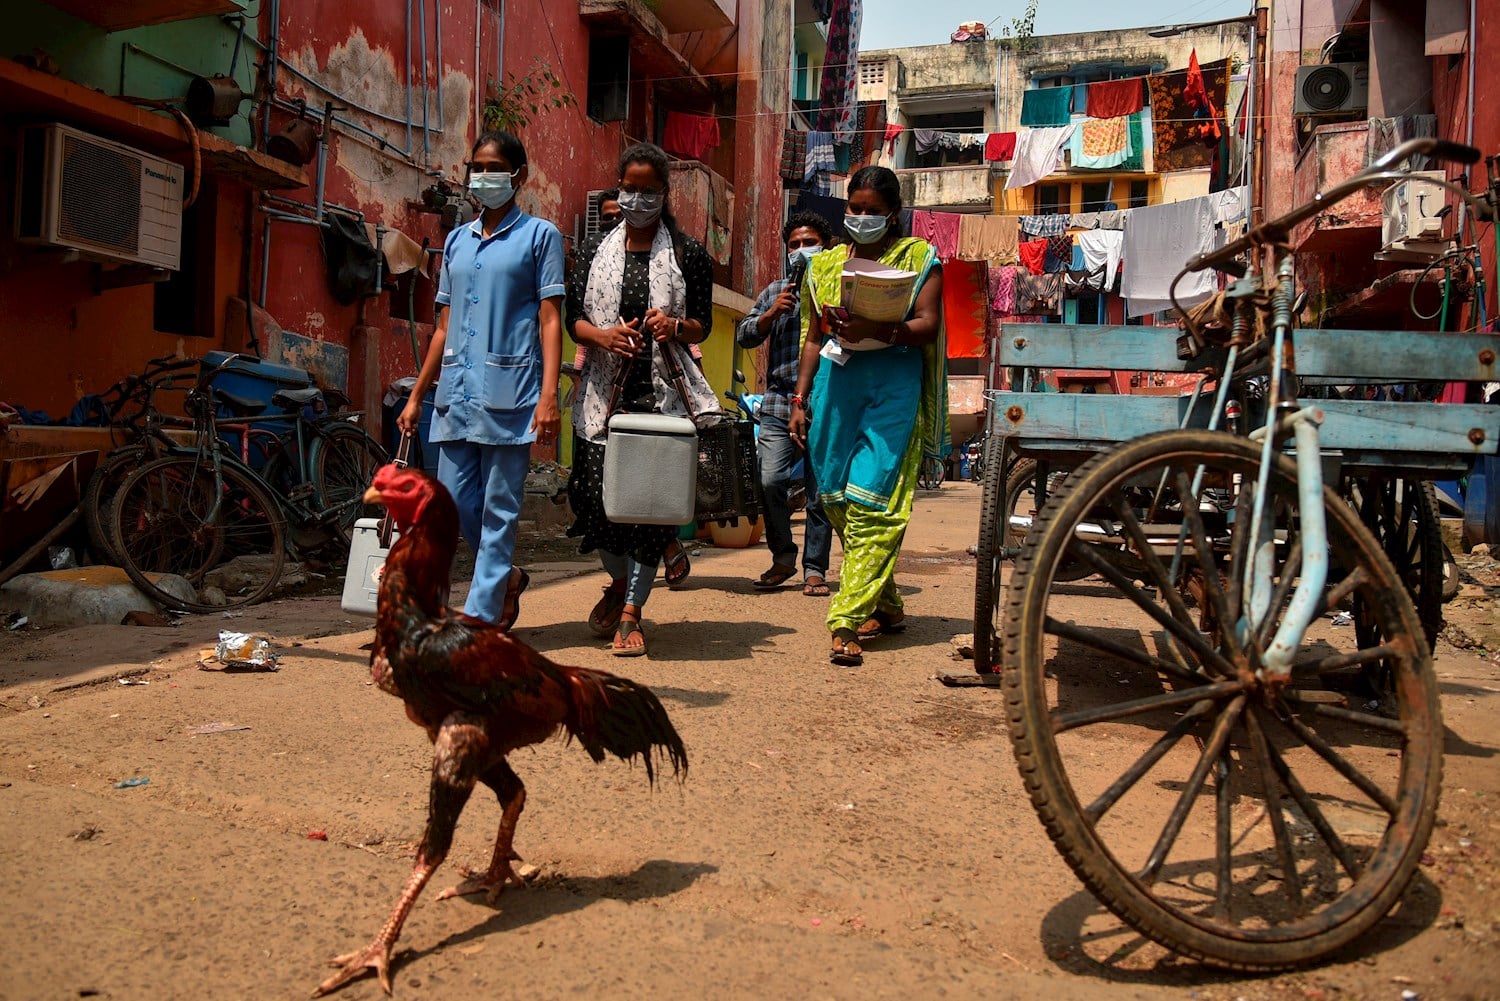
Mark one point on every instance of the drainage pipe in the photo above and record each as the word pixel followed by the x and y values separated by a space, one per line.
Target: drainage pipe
pixel 408 78
pixel 426 141
pixel 379 139
pixel 437 33
pixel 477 76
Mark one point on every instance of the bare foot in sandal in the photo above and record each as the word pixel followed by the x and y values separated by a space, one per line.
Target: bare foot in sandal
pixel 846 650
pixel 814 585
pixel 630 641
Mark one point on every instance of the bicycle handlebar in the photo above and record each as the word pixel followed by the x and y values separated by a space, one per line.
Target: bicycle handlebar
pixel 1277 229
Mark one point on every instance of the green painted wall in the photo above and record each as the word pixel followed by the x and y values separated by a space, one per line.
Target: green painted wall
pixel 122 63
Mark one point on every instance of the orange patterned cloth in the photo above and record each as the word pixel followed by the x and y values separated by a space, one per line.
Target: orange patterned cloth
pixel 1102 137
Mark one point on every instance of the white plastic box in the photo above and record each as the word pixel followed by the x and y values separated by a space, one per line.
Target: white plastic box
pixel 366 564
pixel 651 469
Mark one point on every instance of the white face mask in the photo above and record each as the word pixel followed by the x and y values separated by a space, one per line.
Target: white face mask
pixel 641 208
pixel 493 188
pixel 866 228
pixel 801 254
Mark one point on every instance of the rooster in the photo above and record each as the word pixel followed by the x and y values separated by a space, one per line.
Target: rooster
pixel 480 694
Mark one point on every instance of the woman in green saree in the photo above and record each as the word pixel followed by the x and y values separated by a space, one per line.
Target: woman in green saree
pixel 871 401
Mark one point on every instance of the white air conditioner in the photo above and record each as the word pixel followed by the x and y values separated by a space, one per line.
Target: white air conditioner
pixel 1332 89
pixel 1410 227
pixel 105 200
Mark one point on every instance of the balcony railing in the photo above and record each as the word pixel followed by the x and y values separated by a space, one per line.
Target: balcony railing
pixel 1336 152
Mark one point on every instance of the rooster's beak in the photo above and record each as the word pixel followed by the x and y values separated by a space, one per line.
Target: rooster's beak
pixel 372 496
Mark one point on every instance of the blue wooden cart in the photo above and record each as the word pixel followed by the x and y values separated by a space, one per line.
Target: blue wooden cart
pixel 1273 541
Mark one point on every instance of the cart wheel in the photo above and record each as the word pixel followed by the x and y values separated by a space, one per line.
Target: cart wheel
pixel 1452 580
pixel 1020 499
pixel 1403 515
pixel 1270 848
pixel 987 568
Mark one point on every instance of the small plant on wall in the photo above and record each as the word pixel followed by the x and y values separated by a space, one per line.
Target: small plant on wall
pixel 1019 32
pixel 514 104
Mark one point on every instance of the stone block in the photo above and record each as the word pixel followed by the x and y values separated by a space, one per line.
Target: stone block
pixel 84 596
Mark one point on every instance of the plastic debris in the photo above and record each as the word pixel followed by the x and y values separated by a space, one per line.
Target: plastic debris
pixel 62 558
pixel 139 780
pixel 240 652
pixel 1343 619
pixel 15 622
pixel 316 835
pixel 218 728
pixel 133 681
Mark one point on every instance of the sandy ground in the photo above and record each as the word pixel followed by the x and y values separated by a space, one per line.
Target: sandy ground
pixel 842 833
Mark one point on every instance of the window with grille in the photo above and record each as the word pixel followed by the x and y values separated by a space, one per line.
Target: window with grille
pixel 871 73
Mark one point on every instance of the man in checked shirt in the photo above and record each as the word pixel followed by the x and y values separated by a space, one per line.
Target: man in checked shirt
pixel 775 318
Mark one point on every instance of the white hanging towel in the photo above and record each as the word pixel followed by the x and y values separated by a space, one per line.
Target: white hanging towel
pixel 1038 153
pixel 1101 247
pixel 1159 240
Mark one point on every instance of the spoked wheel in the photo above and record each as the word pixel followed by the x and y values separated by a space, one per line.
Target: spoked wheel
pixel 1403 515
pixel 930 473
pixel 1022 509
pixel 100 492
pixel 992 540
pixel 1254 824
pixel 171 518
pixel 344 461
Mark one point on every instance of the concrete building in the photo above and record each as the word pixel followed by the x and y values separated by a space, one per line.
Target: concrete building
pixel 1410 70
pixel 409 85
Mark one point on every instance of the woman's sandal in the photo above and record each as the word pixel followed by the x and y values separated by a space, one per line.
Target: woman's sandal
pixel 628 627
pixel 814 586
pixel 513 592
pixel 882 622
pixel 841 654
pixel 776 576
pixel 678 567
pixel 605 618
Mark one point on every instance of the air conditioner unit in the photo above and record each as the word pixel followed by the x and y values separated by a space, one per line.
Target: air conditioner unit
pixel 1332 89
pixel 1410 227
pixel 103 199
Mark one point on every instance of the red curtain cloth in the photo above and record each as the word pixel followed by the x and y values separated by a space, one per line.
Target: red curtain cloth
pixel 1116 98
pixel 966 307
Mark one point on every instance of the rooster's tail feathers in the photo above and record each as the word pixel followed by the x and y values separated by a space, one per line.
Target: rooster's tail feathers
pixel 616 715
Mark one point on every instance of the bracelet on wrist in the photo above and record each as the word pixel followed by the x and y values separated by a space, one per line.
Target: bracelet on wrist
pixel 797 399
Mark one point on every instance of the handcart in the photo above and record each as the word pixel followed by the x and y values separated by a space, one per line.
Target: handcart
pixel 1211 617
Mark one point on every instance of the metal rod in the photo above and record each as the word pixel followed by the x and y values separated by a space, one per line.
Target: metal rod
pixel 408 77
pixel 437 34
pixel 381 140
pixel 1314 571
pixel 307 207
pixel 273 60
pixel 426 140
pixel 265 259
pixel 344 99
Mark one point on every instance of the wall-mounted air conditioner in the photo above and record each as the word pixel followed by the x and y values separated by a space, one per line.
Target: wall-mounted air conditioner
pixel 1410 227
pixel 103 199
pixel 1332 89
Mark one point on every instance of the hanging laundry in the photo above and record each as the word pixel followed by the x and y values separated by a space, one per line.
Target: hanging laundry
pixel 999 146
pixel 988 238
pixel 837 93
pixel 1038 294
pixel 1058 255
pixel 1033 254
pixel 829 208
pixel 892 133
pixel 1083 220
pixel 1044 225
pixel 1100 144
pixel 1101 249
pixel 1159 239
pixel 1003 288
pixel 923 225
pixel 1387 133
pixel 1112 219
pixel 720 217
pixel 1113 98
pixel 793 156
pixel 926 140
pixel 1230 205
pixel 1038 153
pixel 945 234
pixel 821 161
pixel 689 135
pixel 1183 125
pixel 966 308
pixel 1076 264
pixel 1047 106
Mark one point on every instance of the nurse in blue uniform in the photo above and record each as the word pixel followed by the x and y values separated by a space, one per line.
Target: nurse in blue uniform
pixel 495 355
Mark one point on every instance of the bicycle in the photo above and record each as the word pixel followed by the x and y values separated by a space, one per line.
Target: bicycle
pixel 1240 553
pixel 204 514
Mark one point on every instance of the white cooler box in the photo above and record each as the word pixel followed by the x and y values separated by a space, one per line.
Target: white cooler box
pixel 651 470
pixel 366 564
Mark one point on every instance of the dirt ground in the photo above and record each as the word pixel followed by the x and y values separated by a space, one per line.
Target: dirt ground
pixel 841 834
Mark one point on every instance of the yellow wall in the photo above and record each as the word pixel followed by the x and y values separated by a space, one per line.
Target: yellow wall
pixel 1022 201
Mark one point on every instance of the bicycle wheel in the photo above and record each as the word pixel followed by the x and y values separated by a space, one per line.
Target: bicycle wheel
pixel 992 539
pixel 171 519
pixel 1293 849
pixel 930 473
pixel 344 460
pixel 100 491
pixel 1402 514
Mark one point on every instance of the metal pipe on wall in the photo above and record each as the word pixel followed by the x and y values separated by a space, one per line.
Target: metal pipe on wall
pixel 273 59
pixel 426 142
pixel 477 75
pixel 437 35
pixel 381 140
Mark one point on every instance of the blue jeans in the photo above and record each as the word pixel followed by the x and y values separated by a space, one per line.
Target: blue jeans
pixel 778 454
pixel 488 483
pixel 639 577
